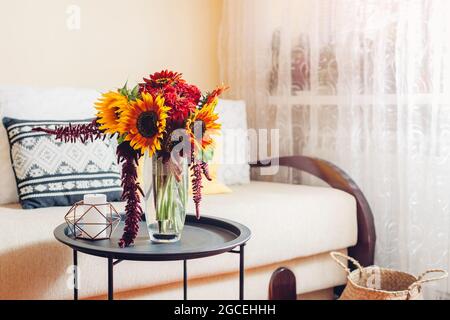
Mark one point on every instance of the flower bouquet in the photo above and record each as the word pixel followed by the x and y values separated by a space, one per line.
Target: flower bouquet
pixel 166 119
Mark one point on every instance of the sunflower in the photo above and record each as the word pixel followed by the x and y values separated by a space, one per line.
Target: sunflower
pixel 144 123
pixel 203 119
pixel 109 107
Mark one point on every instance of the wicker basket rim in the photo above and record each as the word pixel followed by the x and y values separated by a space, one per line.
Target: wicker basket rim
pixel 400 292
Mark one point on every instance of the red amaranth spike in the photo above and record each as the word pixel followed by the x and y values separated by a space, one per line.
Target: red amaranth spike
pixel 196 185
pixel 72 133
pixel 205 170
pixel 129 159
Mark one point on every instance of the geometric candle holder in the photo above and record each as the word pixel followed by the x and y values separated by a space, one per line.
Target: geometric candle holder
pixel 92 221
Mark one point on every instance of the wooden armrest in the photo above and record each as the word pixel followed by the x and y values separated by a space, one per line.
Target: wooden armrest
pixel 364 250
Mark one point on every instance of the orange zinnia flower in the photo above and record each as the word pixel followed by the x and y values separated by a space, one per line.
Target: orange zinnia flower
pixel 203 119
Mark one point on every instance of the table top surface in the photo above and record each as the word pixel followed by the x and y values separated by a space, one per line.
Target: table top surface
pixel 200 238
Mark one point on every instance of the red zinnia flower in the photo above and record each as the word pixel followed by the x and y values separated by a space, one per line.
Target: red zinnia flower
pixel 163 78
pixel 189 92
pixel 181 97
pixel 187 98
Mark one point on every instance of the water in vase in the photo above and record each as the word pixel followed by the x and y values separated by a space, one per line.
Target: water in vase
pixel 166 186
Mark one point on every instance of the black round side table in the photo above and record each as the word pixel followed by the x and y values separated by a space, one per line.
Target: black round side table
pixel 201 238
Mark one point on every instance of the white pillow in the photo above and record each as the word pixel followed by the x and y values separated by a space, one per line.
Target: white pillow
pixel 233 167
pixel 30 103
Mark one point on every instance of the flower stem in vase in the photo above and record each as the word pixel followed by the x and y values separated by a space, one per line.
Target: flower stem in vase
pixel 170 183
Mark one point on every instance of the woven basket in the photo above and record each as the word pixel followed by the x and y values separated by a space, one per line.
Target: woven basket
pixel 375 283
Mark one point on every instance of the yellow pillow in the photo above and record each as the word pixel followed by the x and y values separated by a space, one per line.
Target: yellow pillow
pixel 213 186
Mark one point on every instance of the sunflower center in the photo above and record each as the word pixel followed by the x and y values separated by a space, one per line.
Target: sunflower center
pixel 162 81
pixel 147 124
pixel 117 112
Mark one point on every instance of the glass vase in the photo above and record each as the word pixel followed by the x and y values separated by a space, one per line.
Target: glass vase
pixel 166 190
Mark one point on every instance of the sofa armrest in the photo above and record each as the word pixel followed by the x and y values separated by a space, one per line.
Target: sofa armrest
pixel 364 250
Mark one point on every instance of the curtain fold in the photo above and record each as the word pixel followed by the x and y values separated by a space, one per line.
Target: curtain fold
pixel 366 85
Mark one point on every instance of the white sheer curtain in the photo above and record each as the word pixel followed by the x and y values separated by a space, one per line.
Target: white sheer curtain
pixel 366 85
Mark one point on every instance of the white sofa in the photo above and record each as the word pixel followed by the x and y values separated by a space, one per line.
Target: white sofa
pixel 294 226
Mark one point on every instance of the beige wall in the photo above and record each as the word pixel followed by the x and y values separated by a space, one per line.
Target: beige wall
pixel 117 40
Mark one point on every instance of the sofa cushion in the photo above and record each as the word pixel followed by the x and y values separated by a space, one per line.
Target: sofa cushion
pixel 51 173
pixel 287 222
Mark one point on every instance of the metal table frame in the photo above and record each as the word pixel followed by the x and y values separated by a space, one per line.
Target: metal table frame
pixel 112 262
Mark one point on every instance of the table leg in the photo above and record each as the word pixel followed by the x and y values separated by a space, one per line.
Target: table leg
pixel 241 272
pixel 110 279
pixel 75 275
pixel 184 280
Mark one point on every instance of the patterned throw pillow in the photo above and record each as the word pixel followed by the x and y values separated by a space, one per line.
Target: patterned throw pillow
pixel 51 173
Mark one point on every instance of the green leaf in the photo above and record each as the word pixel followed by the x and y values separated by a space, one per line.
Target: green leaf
pixel 124 90
pixel 203 100
pixel 135 92
pixel 121 139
